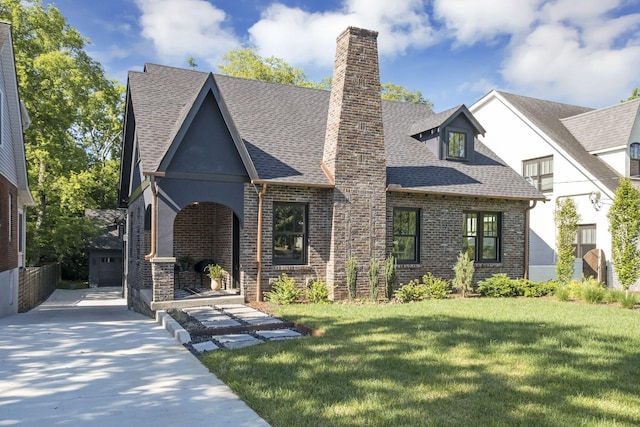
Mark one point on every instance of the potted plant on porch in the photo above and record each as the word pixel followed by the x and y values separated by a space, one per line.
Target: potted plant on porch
pixel 215 272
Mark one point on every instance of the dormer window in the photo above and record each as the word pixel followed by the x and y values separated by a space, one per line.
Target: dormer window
pixel 457 145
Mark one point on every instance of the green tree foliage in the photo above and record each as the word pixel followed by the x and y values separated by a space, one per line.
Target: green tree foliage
pixel 246 63
pixel 73 143
pixel 393 92
pixel 624 226
pixel 463 270
pixel 634 94
pixel 390 275
pixel 374 278
pixel 352 277
pixel 566 218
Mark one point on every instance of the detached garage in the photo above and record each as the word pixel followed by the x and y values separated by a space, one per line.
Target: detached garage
pixel 105 250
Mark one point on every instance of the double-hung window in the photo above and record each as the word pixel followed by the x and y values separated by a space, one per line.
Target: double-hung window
pixel 406 235
pixel 289 233
pixel 481 236
pixel 539 172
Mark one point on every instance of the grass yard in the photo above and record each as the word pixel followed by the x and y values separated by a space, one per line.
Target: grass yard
pixel 454 362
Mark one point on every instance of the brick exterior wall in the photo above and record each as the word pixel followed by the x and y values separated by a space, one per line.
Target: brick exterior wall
pixel 319 207
pixel 441 234
pixel 8 237
pixel 354 154
pixel 138 245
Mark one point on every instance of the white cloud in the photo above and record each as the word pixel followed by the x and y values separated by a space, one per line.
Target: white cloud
pixel 308 38
pixel 473 21
pixel 574 51
pixel 183 28
pixel 553 62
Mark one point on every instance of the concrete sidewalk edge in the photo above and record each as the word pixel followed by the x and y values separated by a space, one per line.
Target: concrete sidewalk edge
pixel 173 327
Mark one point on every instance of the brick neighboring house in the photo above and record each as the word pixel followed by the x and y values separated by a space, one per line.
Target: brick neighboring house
pixel 567 151
pixel 14 188
pixel 266 179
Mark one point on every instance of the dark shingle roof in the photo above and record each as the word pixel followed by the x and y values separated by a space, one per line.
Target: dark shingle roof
pixel 604 128
pixel 107 220
pixel 161 98
pixel 547 116
pixel 283 128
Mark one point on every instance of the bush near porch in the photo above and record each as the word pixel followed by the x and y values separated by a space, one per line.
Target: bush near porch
pixel 454 362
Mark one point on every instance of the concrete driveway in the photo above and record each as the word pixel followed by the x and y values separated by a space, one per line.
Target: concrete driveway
pixel 83 359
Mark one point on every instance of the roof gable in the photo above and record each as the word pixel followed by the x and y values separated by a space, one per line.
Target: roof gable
pixel 547 116
pixel 216 108
pixel 441 120
pixel 605 128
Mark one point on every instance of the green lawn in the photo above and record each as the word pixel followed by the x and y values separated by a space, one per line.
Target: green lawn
pixel 455 362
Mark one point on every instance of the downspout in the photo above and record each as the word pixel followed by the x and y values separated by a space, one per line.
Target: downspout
pixel 526 239
pixel 154 216
pixel 259 244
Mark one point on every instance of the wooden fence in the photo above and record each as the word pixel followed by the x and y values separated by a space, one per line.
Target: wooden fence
pixel 36 284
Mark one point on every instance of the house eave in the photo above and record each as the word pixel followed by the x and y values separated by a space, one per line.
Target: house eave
pixel 292 183
pixel 396 188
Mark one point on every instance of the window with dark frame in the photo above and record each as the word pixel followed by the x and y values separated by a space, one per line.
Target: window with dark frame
pixel 406 235
pixel 540 172
pixel 456 144
pixel 289 233
pixel 481 236
pixel 584 240
pixel 634 159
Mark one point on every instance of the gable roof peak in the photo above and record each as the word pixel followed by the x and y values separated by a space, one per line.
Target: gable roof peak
pixel 439 120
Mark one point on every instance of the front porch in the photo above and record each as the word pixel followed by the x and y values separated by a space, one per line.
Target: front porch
pixel 205 298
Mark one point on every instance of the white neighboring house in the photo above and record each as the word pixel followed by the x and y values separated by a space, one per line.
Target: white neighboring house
pixel 566 151
pixel 14 189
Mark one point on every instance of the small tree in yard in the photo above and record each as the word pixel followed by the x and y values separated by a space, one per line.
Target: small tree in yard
pixel 374 278
pixel 624 226
pixel 464 270
pixel 566 218
pixel 390 275
pixel 352 276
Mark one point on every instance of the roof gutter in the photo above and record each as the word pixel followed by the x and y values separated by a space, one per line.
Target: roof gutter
pixel 399 189
pixel 154 216
pixel 291 184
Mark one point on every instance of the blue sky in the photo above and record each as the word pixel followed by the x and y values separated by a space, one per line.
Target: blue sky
pixel 584 52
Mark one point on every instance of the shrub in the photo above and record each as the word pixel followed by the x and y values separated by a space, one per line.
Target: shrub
pixel 352 276
pixel 613 295
pixel 374 278
pixel 317 291
pixel 412 291
pixel 464 273
pixel 574 288
pixel 592 291
pixel 498 285
pixel 435 288
pixel 283 291
pixel 390 275
pixel 628 300
pixel 530 289
pixel 562 293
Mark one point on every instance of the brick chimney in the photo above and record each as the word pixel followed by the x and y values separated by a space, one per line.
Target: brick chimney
pixel 354 158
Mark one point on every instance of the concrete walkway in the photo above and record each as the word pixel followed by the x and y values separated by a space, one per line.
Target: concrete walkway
pixel 82 359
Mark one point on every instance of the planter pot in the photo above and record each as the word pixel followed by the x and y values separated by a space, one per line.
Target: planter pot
pixel 216 283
